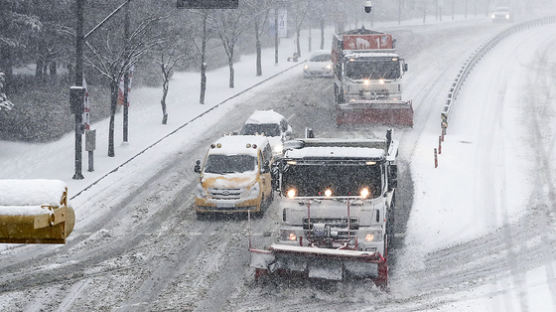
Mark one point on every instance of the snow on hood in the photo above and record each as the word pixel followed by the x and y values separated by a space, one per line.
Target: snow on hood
pixel 23 210
pixel 31 192
pixel 264 117
pixel 231 180
pixel 237 145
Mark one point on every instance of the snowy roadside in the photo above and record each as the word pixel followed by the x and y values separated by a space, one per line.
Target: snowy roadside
pixel 488 173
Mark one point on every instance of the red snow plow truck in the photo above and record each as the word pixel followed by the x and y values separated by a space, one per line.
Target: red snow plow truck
pixel 367 80
pixel 337 210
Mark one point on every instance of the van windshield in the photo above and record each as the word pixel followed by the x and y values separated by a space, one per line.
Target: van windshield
pixel 268 129
pixel 223 164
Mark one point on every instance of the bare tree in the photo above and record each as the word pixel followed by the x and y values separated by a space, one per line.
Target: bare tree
pixel 229 25
pixel 300 9
pixel 167 63
pixel 260 10
pixel 4 102
pixel 114 60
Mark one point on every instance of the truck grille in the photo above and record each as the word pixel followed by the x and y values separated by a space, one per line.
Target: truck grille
pixel 226 194
pixel 375 94
pixel 333 223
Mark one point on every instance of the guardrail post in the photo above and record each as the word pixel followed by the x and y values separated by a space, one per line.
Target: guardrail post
pixel 439 144
pixel 435 158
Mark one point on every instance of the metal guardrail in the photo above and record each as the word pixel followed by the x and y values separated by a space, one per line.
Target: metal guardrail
pixel 474 59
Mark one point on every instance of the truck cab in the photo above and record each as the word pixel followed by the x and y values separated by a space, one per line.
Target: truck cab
pixel 337 207
pixel 368 76
pixel 235 176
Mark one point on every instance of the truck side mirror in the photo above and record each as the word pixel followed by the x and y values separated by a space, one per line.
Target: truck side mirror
pixel 392 177
pixel 405 67
pixel 197 167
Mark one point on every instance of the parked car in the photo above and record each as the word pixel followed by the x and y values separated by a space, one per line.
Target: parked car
pixel 318 65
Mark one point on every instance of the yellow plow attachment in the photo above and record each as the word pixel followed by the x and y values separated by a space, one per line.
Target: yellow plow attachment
pixel 35 212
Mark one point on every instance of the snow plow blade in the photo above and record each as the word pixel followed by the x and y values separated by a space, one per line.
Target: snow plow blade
pixel 320 263
pixel 34 212
pixel 393 113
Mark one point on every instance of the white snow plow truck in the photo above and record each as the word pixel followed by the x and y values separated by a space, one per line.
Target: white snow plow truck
pixel 337 209
pixel 368 80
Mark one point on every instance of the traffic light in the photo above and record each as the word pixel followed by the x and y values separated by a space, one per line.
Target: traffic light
pixel 207 4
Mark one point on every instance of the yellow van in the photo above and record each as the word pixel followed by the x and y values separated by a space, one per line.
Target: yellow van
pixel 235 176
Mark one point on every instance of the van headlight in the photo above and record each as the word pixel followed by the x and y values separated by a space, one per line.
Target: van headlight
pixel 254 191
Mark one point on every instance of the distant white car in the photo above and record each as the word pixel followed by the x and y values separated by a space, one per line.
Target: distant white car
pixel 270 124
pixel 501 14
pixel 319 64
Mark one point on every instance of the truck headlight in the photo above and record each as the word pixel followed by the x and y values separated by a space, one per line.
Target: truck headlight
pixel 291 193
pixel 507 16
pixel 288 235
pixel 306 67
pixel 328 66
pixel 493 16
pixel 373 236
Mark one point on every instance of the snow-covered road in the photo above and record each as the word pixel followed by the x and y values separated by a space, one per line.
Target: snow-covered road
pixel 141 248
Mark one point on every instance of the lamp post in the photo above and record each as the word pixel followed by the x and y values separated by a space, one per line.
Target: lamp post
pixel 77 92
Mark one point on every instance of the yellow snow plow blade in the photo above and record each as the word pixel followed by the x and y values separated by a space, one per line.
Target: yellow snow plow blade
pixel 35 212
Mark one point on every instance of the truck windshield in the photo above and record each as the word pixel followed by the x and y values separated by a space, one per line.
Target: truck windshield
pixel 268 129
pixel 222 164
pixel 343 180
pixel 383 68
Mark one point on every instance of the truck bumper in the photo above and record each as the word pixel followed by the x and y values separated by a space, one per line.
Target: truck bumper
pixel 396 113
pixel 320 263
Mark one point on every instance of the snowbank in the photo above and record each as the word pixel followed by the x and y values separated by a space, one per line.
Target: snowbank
pixel 31 193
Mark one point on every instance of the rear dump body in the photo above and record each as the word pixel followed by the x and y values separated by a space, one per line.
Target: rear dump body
pixel 35 211
pixel 337 210
pixel 368 80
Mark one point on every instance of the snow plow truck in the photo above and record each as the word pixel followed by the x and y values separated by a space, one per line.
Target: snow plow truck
pixel 367 80
pixel 337 208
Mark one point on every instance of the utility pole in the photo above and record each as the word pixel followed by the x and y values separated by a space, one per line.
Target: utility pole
pixel 78 175
pixel 126 74
pixel 203 63
pixel 276 35
pixel 77 92
pixel 399 12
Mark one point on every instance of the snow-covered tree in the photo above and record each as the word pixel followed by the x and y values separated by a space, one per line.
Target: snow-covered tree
pixel 16 24
pixel 229 24
pixel 113 56
pixel 4 102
